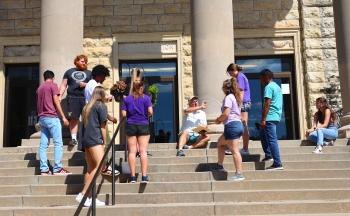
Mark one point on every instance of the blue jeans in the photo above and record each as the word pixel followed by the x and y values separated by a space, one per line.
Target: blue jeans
pixel 268 138
pixel 319 135
pixel 50 126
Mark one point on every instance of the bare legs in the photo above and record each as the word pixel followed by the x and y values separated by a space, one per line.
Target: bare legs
pixel 233 146
pixel 142 142
pixel 183 139
pixel 244 117
pixel 73 125
pixel 93 156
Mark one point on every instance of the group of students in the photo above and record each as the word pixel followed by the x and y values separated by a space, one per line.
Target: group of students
pixel 87 98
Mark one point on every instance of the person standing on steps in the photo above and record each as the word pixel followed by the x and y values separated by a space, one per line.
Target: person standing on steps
pixel 233 130
pixel 99 74
pixel 93 139
pixel 137 107
pixel 76 80
pixel 324 126
pixel 235 70
pixel 192 118
pixel 48 104
pixel 271 115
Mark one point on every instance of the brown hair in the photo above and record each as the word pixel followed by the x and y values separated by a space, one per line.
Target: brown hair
pixel 234 67
pixel 232 87
pixel 320 113
pixel 136 89
pixel 135 76
pixel 80 57
pixel 98 95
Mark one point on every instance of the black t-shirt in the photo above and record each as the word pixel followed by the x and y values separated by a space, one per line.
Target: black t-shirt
pixel 73 76
pixel 91 134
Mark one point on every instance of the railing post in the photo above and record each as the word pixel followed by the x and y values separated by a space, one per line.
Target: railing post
pixel 113 172
pixel 93 198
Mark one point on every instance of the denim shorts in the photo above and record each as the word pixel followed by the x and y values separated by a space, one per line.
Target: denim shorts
pixel 233 130
pixel 246 106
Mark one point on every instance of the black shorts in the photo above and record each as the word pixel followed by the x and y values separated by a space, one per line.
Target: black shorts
pixel 137 129
pixel 75 107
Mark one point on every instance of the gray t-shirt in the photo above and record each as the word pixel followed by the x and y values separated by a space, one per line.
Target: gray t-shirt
pixel 73 76
pixel 91 134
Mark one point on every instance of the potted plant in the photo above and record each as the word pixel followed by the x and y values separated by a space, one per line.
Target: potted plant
pixel 117 90
pixel 153 91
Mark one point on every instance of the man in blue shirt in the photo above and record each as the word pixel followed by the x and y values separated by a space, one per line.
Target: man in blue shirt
pixel 271 115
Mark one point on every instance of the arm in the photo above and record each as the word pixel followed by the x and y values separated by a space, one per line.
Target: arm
pixel 103 132
pixel 194 109
pixel 124 113
pixel 82 84
pixel 223 115
pixel 150 111
pixel 59 109
pixel 327 118
pixel 62 88
pixel 112 118
pixel 314 125
pixel 265 111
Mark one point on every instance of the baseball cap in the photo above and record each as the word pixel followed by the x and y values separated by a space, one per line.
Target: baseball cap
pixel 191 97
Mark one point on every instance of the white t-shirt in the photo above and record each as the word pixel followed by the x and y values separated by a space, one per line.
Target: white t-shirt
pixel 193 120
pixel 89 88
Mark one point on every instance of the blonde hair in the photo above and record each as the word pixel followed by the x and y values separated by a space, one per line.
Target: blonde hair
pixel 98 95
pixel 135 76
pixel 232 87
pixel 136 89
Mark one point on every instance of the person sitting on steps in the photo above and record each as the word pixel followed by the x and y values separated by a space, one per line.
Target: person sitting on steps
pixel 193 117
pixel 324 126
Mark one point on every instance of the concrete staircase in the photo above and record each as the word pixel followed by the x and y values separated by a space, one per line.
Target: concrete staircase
pixel 315 184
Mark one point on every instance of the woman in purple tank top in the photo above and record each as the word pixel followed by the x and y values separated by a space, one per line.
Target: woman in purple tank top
pixel 324 126
pixel 235 71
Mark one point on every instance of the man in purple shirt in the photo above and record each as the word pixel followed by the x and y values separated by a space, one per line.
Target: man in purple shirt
pixel 47 105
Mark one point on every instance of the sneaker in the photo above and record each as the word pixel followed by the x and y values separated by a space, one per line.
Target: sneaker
pixel 318 150
pixel 228 152
pixel 132 179
pixel 62 171
pixel 99 203
pixel 275 167
pixel 187 147
pixel 80 197
pixel 149 155
pixel 73 142
pixel 218 168
pixel 180 153
pixel 46 173
pixel 328 143
pixel 236 177
pixel 137 154
pixel 244 152
pixel 108 171
pixel 267 158
pixel 145 179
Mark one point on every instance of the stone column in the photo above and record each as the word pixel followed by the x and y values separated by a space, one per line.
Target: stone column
pixel 341 10
pixel 61 39
pixel 61 36
pixel 212 51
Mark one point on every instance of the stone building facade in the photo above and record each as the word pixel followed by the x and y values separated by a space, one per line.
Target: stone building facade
pixel 124 30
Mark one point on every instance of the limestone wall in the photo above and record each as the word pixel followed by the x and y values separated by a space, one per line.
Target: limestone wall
pixel 319 54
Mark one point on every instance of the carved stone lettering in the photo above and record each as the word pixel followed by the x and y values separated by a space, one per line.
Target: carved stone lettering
pixel 12 51
pixel 148 48
pixel 264 43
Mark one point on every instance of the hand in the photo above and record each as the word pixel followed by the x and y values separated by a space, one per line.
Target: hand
pixel 217 121
pixel 113 119
pixel 65 122
pixel 262 124
pixel 82 84
pixel 204 105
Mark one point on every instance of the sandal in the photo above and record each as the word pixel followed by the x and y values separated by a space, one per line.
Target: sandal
pixel 108 171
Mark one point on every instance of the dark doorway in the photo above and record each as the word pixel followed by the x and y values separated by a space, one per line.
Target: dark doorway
pixel 21 84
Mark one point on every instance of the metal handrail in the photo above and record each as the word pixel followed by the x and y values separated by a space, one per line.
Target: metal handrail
pixel 92 185
pixel 339 114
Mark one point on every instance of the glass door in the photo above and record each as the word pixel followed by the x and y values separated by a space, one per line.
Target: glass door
pixel 21 84
pixel 162 74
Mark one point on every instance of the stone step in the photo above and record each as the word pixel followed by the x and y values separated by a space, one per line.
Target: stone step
pixel 183 197
pixel 164 146
pixel 190 186
pixel 170 209
pixel 19 168
pixel 179 177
